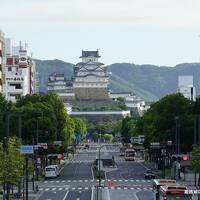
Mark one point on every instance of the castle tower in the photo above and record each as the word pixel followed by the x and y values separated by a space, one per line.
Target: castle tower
pixel 90 77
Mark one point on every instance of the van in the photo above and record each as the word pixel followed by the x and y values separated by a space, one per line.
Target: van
pixel 51 172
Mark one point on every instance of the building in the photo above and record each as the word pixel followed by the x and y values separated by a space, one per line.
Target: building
pixel 2 54
pixel 19 73
pixel 186 87
pixel 90 78
pixel 58 84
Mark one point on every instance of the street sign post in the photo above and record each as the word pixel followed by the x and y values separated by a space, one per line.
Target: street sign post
pixel 26 149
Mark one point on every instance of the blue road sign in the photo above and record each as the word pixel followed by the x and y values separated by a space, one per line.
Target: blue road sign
pixel 26 149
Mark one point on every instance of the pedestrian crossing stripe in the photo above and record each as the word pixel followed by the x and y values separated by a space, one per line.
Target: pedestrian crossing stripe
pixel 90 188
pixel 103 180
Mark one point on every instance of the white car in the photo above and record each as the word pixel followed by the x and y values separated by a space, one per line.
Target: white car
pixel 51 171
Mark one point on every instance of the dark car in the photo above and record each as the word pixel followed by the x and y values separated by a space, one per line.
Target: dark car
pixel 86 146
pixel 149 175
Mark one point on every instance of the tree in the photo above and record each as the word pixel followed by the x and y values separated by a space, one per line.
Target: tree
pixel 80 126
pixel 108 137
pixel 11 163
pixel 196 160
pixel 5 107
pixel 158 123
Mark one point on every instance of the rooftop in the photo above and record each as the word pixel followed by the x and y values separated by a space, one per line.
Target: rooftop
pixel 90 53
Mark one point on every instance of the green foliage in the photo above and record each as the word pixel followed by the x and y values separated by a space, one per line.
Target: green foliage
pixel 159 124
pixel 128 128
pixel 43 115
pixel 80 126
pixel 196 158
pixel 108 137
pixel 11 162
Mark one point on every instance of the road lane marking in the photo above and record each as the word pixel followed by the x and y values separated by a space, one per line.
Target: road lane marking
pixel 65 195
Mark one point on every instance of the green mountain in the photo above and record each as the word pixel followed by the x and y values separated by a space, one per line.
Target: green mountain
pixel 147 81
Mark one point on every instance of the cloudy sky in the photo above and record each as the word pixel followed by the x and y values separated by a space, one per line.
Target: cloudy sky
pixel 161 32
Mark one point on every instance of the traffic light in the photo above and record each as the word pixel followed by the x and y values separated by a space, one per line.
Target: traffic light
pixel 185 157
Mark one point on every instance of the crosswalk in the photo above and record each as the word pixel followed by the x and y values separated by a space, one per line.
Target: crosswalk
pixel 103 180
pixel 90 188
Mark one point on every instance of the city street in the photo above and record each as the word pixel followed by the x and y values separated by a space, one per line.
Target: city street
pixel 76 180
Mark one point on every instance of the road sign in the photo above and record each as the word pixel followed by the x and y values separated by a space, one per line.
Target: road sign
pixel 26 149
pixel 57 142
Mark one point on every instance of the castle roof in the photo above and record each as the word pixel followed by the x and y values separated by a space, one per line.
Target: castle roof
pixel 90 53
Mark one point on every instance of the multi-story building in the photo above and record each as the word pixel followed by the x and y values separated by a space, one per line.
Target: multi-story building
pixel 19 73
pixel 186 87
pixel 58 84
pixel 90 78
pixel 2 54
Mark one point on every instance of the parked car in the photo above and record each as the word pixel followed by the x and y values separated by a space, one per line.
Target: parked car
pixel 149 175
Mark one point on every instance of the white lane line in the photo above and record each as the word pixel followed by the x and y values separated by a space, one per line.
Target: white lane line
pixel 63 181
pixel 80 188
pixel 138 188
pixel 125 188
pixel 73 188
pixel 92 174
pixel 80 181
pixel 65 195
pixel 53 188
pixel 40 189
pixel 126 180
pixel 86 180
pixel 47 189
pixel 60 189
pixel 69 181
pixel 86 188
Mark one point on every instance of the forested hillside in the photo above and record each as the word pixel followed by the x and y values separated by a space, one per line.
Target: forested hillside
pixel 147 81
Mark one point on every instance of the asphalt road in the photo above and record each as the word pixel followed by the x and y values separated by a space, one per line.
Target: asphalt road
pixel 126 181
pixel 127 170
pixel 79 195
pixel 52 195
pixel 76 171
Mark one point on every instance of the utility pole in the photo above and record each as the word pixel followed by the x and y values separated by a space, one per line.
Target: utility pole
pixel 177 136
pixel 26 175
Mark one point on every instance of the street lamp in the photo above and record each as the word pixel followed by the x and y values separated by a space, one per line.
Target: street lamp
pixel 99 169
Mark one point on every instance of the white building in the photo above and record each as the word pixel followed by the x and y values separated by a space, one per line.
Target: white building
pixel 90 77
pixel 186 87
pixel 2 54
pixel 58 84
pixel 19 73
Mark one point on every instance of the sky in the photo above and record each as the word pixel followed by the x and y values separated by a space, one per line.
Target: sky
pixel 159 32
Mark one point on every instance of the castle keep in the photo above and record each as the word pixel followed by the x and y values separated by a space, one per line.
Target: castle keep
pixel 90 77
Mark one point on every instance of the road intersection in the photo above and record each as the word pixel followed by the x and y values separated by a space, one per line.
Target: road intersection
pixel 76 180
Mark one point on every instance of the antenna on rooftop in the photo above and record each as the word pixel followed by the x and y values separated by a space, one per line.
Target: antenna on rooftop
pixel 26 46
pixel 20 45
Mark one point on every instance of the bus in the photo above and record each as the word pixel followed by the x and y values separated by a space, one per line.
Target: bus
pixel 129 155
pixel 174 192
pixel 159 182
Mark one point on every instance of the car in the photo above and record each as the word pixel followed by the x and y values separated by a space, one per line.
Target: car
pixel 86 146
pixel 149 175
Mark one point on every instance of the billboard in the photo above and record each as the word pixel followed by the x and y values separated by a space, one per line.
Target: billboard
pixel 23 61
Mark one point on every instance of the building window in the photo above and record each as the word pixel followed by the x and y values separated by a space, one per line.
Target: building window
pixel 9 69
